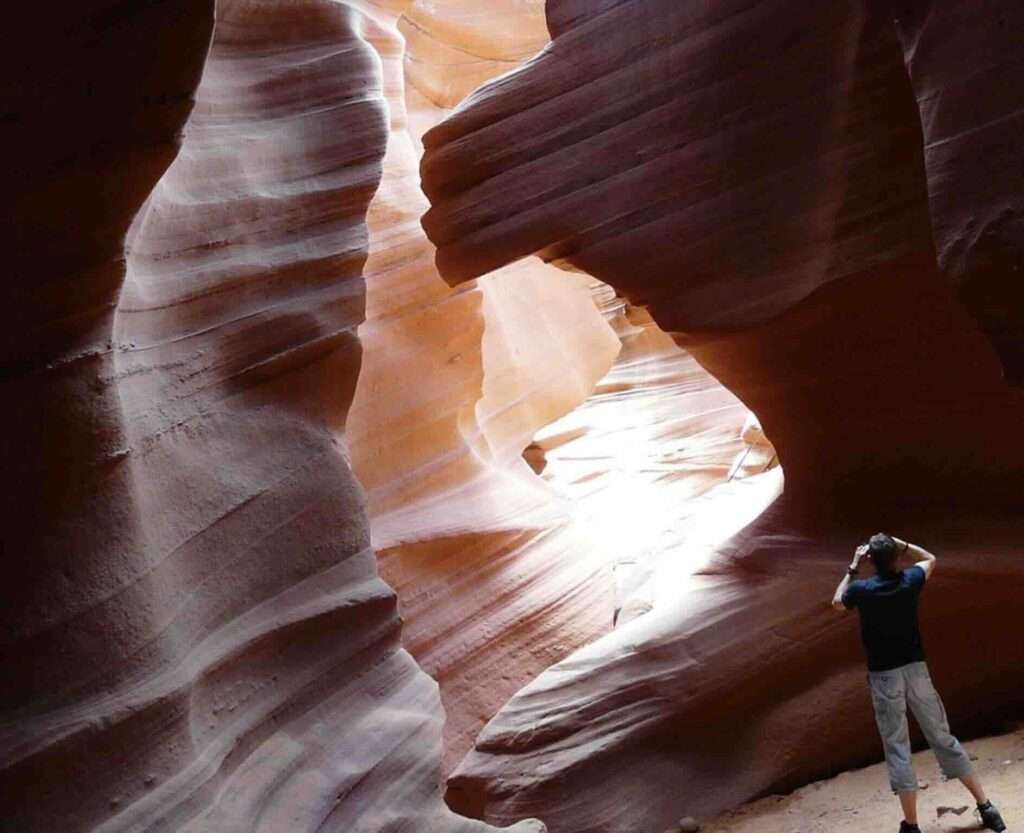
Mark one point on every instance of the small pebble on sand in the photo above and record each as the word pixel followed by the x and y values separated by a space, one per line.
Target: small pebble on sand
pixel 689 825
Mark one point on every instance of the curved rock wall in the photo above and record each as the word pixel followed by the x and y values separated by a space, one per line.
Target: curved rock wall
pixel 965 64
pixel 93 125
pixel 771 187
pixel 758 176
pixel 496 583
pixel 652 122
pixel 501 573
pixel 455 384
pixel 196 637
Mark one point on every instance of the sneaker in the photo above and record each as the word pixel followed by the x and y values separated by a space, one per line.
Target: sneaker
pixel 990 817
pixel 907 827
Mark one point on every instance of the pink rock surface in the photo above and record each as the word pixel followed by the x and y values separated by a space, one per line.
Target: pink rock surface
pixel 757 175
pixel 965 65
pixel 762 150
pixel 93 125
pixel 501 573
pixel 495 581
pixel 455 384
pixel 195 634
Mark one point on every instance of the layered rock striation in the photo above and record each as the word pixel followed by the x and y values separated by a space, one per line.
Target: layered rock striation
pixel 965 65
pixel 494 584
pixel 217 256
pixel 195 635
pixel 501 573
pixel 770 180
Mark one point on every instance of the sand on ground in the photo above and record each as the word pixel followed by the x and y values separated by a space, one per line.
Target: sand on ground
pixel 859 801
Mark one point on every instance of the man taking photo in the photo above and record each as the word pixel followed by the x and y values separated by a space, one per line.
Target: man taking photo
pixel 898 674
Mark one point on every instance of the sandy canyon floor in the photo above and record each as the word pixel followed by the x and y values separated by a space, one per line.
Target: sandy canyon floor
pixel 859 801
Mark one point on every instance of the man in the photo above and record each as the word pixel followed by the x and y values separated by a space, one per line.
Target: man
pixel 897 673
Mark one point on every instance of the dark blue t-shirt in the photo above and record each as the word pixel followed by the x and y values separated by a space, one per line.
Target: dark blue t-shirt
pixel 888 617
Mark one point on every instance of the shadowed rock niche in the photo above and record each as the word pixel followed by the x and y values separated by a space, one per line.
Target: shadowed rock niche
pixel 777 184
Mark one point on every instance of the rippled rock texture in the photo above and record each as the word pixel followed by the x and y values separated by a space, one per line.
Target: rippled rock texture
pixel 195 636
pixel 494 586
pixel 776 183
pixel 501 573
pixel 221 294
pixel 965 65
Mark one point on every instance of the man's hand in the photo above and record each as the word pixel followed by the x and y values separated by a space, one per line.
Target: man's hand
pixel 861 552
pixel 837 598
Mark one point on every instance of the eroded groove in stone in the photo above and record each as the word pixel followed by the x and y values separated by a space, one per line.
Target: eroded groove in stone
pixel 495 581
pixel 197 638
pixel 501 574
pixel 757 175
pixel 966 66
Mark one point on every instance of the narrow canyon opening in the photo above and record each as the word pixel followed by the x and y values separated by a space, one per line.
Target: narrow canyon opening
pixel 649 461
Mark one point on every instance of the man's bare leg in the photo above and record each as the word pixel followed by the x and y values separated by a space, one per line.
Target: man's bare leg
pixel 973 783
pixel 908 801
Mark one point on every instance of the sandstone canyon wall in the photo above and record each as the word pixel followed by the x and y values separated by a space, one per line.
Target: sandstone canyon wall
pixel 493 586
pixel 777 183
pixel 195 636
pixel 501 573
pixel 964 62
pixel 222 293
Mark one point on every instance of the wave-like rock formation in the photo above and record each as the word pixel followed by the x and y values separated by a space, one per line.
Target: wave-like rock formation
pixel 455 384
pixel 93 124
pixel 195 636
pixel 495 583
pixel 500 573
pixel 818 201
pixel 771 181
pixel 965 65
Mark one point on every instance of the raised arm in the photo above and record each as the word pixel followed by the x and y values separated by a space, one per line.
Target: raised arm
pixel 837 597
pixel 920 556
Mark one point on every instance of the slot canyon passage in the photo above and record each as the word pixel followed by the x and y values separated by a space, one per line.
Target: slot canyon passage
pixel 391 369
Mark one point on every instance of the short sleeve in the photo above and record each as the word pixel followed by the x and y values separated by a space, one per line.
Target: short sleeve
pixel 915 577
pixel 851 595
